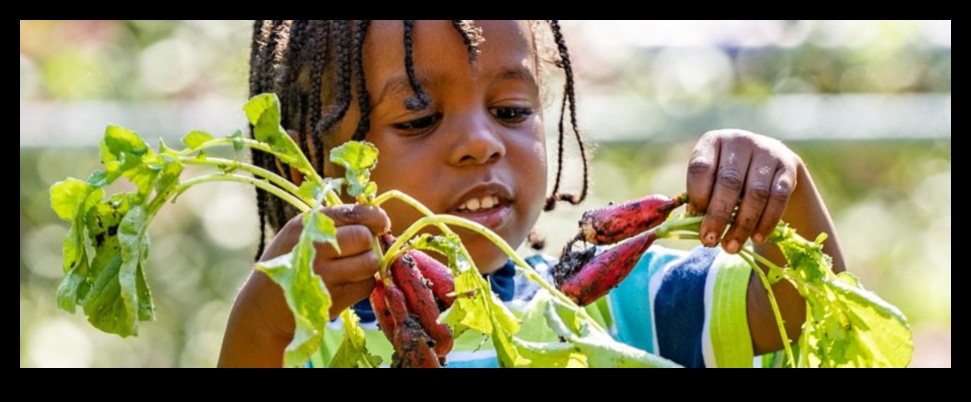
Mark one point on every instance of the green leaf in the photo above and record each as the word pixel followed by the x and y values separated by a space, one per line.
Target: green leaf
pixel 263 112
pixel 305 292
pixel 120 141
pixel 134 251
pixel 67 291
pixel 105 306
pixel 549 354
pixel 72 197
pixel 600 349
pixel 168 178
pixel 358 159
pixel 98 178
pixel 846 325
pixel 353 352
pixel 237 138
pixel 124 154
pixel 195 138
pixel 114 292
pixel 309 190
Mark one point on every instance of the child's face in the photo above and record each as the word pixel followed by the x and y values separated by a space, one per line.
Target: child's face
pixel 479 150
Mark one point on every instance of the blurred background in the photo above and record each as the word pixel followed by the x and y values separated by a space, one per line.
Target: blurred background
pixel 867 104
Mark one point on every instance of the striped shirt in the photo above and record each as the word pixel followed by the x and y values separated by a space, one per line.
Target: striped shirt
pixel 687 306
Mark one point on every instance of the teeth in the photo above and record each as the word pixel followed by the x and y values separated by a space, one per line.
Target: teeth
pixel 476 204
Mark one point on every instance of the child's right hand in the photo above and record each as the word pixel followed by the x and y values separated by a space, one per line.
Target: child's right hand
pixel 349 276
pixel 261 324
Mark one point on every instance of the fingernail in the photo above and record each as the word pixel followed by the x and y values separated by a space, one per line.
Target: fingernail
pixel 758 238
pixel 732 246
pixel 710 239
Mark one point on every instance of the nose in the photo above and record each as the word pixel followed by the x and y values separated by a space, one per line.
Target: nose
pixel 475 142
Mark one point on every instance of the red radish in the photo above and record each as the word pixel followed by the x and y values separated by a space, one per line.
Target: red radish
pixel 421 302
pixel 617 222
pixel 440 277
pixel 585 277
pixel 382 314
pixel 413 348
pixel 412 345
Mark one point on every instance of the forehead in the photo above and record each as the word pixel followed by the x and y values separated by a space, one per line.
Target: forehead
pixel 438 47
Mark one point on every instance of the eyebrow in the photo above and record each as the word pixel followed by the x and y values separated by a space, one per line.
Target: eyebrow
pixel 518 73
pixel 399 83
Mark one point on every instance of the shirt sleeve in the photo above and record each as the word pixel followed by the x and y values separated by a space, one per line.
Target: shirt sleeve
pixel 687 306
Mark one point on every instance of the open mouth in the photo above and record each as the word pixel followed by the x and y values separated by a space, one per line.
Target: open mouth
pixel 489 205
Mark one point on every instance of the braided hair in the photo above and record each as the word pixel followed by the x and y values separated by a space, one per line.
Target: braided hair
pixel 313 67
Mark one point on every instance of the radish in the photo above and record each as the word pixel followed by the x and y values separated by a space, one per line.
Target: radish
pixel 412 345
pixel 439 277
pixel 421 302
pixel 584 276
pixel 617 222
pixel 382 314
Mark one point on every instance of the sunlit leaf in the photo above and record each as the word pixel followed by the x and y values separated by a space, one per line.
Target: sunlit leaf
pixel 195 138
pixel 847 325
pixel 358 159
pixel 353 352
pixel 304 290
pixel 263 112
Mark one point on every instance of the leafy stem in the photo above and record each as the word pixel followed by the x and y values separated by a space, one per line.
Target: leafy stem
pixel 261 184
pixel 255 170
pixel 747 256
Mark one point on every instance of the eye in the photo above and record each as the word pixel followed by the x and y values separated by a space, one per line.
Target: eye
pixel 511 114
pixel 418 125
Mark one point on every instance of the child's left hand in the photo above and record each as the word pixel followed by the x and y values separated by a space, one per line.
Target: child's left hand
pixel 736 167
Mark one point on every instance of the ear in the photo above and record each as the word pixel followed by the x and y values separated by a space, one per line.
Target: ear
pixel 295 176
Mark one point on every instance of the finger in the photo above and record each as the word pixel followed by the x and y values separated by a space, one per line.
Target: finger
pixel 346 294
pixel 351 214
pixel 781 189
pixel 701 172
pixel 347 269
pixel 754 198
pixel 352 240
pixel 733 163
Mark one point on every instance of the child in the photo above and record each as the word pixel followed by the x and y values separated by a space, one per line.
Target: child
pixel 455 109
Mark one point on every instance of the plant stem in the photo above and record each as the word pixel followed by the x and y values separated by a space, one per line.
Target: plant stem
pixel 255 170
pixel 262 146
pixel 688 224
pixel 747 256
pixel 261 184
pixel 521 265
pixel 407 199
pixel 764 261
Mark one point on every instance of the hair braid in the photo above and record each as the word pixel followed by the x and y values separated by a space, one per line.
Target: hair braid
pixel 363 98
pixel 341 36
pixel 420 99
pixel 294 101
pixel 569 97
pixel 316 40
pixel 268 55
pixel 471 36
pixel 256 68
